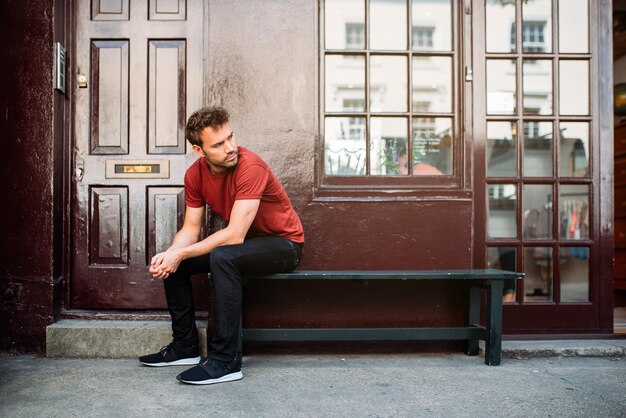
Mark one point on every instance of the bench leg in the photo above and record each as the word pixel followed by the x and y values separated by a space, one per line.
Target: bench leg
pixel 493 344
pixel 473 318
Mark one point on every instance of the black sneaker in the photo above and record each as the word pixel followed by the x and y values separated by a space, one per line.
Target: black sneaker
pixel 172 355
pixel 210 371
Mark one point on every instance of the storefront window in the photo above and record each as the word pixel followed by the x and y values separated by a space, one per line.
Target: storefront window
pixel 537 26
pixel 502 220
pixel 550 167
pixel 537 211
pixel 537 149
pixel 504 258
pixel 388 146
pixel 537 82
pixel 388 24
pixel 432 84
pixel 574 274
pixel 574 87
pixel 574 212
pixel 538 266
pixel 345 150
pixel 574 26
pixel 501 149
pixel 575 150
pixel 388 84
pixel 500 17
pixel 501 87
pixel 345 83
pixel 389 90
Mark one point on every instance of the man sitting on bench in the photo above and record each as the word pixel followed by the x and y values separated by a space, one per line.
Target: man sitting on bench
pixel 264 236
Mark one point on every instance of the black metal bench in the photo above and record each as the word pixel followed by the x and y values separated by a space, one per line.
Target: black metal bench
pixel 490 280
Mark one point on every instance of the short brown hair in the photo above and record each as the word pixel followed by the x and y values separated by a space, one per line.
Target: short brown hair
pixel 213 116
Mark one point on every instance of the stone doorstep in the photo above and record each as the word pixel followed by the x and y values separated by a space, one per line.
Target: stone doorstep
pixel 614 348
pixel 80 338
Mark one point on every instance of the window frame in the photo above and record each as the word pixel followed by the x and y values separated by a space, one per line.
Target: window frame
pixel 453 185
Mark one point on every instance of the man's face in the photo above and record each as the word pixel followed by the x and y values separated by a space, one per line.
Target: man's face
pixel 219 148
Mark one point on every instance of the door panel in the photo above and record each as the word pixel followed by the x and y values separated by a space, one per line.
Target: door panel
pixel 109 97
pixel 167 69
pixel 109 226
pixel 143 64
pixel 536 199
pixel 110 9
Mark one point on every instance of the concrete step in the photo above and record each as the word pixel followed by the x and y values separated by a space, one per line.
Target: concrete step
pixel 80 338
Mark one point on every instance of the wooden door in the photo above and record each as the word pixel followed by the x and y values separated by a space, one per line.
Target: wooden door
pixel 139 72
pixel 536 120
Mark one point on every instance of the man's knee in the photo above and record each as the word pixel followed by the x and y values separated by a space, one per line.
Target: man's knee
pixel 222 256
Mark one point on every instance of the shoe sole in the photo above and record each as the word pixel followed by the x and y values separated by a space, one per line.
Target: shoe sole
pixel 228 378
pixel 192 361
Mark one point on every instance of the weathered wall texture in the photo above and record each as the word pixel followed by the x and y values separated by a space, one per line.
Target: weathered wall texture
pixel 26 170
pixel 263 65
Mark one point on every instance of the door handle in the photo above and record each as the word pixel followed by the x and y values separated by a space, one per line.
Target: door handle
pixel 80 169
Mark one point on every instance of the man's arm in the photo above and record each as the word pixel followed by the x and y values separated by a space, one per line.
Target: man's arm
pixel 183 247
pixel 190 232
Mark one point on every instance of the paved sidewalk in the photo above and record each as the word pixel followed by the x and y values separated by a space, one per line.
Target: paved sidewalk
pixel 385 385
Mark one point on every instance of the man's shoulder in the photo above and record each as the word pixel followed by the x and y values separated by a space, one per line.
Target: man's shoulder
pixel 247 157
pixel 194 167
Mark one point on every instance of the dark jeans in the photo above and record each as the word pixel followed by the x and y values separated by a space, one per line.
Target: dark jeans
pixel 260 255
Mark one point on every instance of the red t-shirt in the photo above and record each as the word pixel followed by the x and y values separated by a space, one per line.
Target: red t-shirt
pixel 251 178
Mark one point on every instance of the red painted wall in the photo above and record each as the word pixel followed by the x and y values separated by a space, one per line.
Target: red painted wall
pixel 27 172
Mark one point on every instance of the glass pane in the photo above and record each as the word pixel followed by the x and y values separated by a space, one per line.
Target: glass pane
pixel 388 24
pixel 537 211
pixel 537 26
pixel 345 24
pixel 573 26
pixel 432 146
pixel 574 87
pixel 344 146
pixel 388 143
pixel 537 149
pixel 504 258
pixel 501 220
pixel 432 25
pixel 538 269
pixel 501 149
pixel 574 274
pixel 345 83
pixel 574 211
pixel 537 80
pixel 501 75
pixel 432 84
pixel 574 149
pixel 388 84
pixel 500 25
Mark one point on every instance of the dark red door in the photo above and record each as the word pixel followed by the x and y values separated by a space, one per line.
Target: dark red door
pixel 139 72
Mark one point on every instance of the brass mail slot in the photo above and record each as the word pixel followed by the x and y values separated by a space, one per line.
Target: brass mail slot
pixel 117 169
pixel 137 168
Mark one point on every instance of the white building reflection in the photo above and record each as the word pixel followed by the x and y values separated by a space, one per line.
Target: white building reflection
pixel 346 137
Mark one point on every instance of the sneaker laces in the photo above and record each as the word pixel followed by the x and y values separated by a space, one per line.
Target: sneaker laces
pixel 166 349
pixel 205 361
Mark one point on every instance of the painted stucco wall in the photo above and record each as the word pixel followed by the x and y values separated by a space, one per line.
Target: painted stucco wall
pixel 263 66
pixel 26 170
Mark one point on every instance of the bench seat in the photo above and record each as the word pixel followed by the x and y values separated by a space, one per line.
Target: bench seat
pixel 491 280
